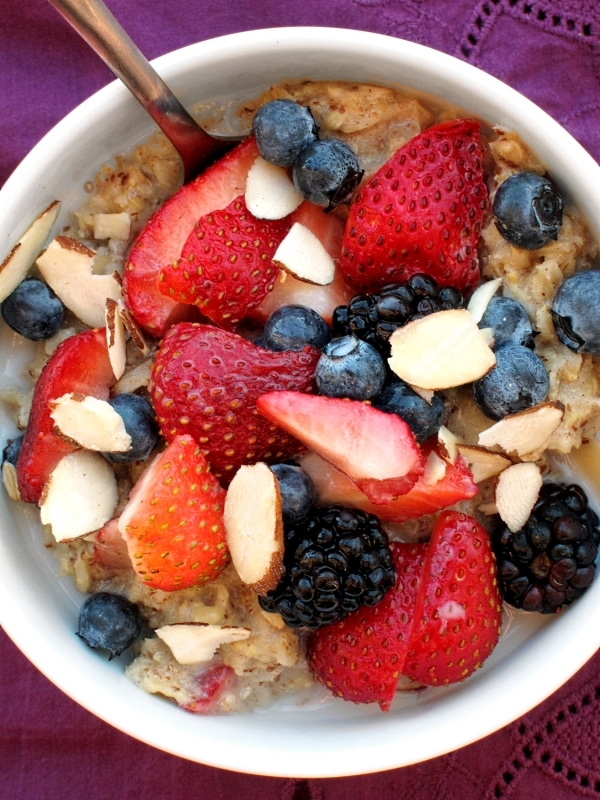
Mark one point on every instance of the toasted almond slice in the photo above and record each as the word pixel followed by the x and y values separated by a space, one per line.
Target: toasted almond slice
pixel 134 378
pixel 90 423
pixel 440 351
pixel 112 226
pixel 9 479
pixel 526 431
pixel 254 527
pixel 480 299
pixel 488 335
pixel 448 444
pixel 115 338
pixel 303 256
pixel 132 328
pixel 67 266
pixel 516 492
pixel 197 642
pixel 488 509
pixel 483 463
pixel 21 258
pixel 270 192
pixel 424 394
pixel 435 469
pixel 80 495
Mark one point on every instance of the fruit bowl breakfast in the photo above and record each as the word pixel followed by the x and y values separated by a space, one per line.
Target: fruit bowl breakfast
pixel 299 458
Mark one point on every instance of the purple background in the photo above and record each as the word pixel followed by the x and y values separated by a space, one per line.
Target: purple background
pixel 51 748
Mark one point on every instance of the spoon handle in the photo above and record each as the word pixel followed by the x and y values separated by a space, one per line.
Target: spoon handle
pixel 98 27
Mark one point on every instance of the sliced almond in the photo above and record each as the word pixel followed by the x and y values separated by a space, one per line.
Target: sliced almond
pixel 424 394
pixel 483 463
pixel 115 337
pixel 303 256
pixel 448 444
pixel 435 469
pixel 67 267
pixel 254 527
pixel 516 492
pixel 488 335
pixel 133 329
pixel 133 379
pixel 80 496
pixel 526 431
pixel 9 479
pixel 440 351
pixel 112 226
pixel 488 509
pixel 197 642
pixel 22 257
pixel 480 299
pixel 270 192
pixel 90 423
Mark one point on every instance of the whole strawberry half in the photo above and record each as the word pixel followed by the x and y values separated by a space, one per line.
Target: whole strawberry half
pixel 458 612
pixel 206 381
pixel 361 657
pixel 79 364
pixel 421 212
pixel 226 267
pixel 173 523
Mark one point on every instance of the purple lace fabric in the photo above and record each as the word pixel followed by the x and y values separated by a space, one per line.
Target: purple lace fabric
pixel 550 51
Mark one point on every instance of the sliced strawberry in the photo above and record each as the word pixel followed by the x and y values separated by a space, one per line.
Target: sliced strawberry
pixel 163 238
pixel 377 451
pixel 211 683
pixel 459 610
pixel 334 487
pixel 110 549
pixel 361 657
pixel 206 382
pixel 80 364
pixel 421 212
pixel 226 266
pixel 173 523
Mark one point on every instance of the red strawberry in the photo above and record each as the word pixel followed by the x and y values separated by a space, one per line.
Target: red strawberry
pixel 211 683
pixel 226 266
pixel 110 549
pixel 206 382
pixel 361 657
pixel 377 451
pixel 163 238
pixel 173 523
pixel 458 611
pixel 79 364
pixel 421 212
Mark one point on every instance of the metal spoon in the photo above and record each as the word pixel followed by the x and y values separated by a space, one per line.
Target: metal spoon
pixel 98 27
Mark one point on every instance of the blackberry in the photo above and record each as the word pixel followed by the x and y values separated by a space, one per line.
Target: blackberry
pixel 374 317
pixel 336 560
pixel 550 561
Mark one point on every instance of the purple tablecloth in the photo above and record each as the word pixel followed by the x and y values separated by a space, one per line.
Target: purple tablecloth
pixel 51 748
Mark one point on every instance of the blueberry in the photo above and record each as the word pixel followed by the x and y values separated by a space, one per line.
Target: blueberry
pixel 282 129
pixel 12 450
pixel 140 424
pixel 528 210
pixel 298 493
pixel 33 310
pixel 509 321
pixel 350 368
pixel 518 381
pixel 110 622
pixel 293 327
pixel 575 312
pixel 423 419
pixel 327 173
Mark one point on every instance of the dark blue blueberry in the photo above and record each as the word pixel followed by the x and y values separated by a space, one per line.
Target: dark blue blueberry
pixel 518 381
pixel 423 419
pixel 110 622
pixel 282 129
pixel 12 450
pixel 293 327
pixel 140 424
pixel 528 210
pixel 350 368
pixel 298 493
pixel 33 310
pixel 509 321
pixel 327 173
pixel 575 312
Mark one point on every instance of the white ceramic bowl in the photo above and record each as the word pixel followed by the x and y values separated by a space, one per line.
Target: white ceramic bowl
pixel 38 608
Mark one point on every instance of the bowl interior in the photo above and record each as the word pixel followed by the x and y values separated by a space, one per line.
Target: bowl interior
pixel 38 607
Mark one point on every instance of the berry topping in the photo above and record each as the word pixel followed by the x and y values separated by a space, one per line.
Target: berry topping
pixel 33 310
pixel 140 424
pixel 11 452
pixel 293 328
pixel 550 561
pixel 528 210
pixel 509 321
pixel 298 493
pixel 518 381
pixel 335 561
pixel 327 173
pixel 421 212
pixel 425 419
pixel 282 129
pixel 574 312
pixel 110 622
pixel 350 368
